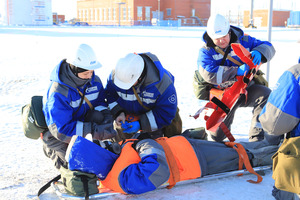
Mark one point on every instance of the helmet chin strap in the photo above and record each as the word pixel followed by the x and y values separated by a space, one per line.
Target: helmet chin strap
pixel 140 80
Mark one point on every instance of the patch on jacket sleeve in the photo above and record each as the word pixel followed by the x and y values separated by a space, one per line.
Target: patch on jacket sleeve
pixel 172 99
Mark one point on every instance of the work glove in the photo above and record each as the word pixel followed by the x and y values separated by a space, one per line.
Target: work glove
pixel 256 57
pixel 243 69
pixel 94 116
pixel 103 131
pixel 99 117
pixel 108 118
pixel 130 127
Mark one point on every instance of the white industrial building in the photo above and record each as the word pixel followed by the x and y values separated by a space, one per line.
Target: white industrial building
pixel 26 12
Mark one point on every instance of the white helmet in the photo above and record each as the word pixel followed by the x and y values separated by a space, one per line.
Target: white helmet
pixel 217 26
pixel 128 70
pixel 85 58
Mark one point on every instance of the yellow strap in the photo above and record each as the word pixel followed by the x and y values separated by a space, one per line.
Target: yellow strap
pixel 86 100
pixel 139 100
pixel 228 56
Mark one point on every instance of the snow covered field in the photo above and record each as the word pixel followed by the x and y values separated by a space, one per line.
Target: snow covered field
pixel 28 54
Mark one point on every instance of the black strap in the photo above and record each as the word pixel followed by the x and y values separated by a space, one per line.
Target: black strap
pixel 253 71
pixel 84 180
pixel 220 104
pixel 288 135
pixel 246 80
pixel 45 187
pixel 225 55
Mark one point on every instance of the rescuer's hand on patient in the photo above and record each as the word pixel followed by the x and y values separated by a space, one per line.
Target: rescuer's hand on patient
pixel 120 119
pixel 131 127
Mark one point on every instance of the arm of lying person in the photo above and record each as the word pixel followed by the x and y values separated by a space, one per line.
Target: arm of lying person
pixel 149 171
pixel 148 174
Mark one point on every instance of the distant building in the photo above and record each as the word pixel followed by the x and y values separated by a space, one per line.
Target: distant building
pixel 294 20
pixel 26 12
pixel 58 19
pixel 143 12
pixel 260 18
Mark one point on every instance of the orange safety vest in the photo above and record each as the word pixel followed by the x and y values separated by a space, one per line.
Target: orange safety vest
pixel 127 157
pixel 182 160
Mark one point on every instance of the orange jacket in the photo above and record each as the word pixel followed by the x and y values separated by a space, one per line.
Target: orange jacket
pixel 151 164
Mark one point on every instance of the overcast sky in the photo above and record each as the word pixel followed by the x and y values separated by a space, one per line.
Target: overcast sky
pixel 65 7
pixel 68 7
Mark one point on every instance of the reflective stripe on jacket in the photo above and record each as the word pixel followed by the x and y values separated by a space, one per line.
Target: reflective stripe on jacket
pixel 157 92
pixel 223 75
pixel 281 113
pixel 63 113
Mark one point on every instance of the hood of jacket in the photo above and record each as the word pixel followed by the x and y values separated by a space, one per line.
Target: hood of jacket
pixel 62 74
pixel 155 72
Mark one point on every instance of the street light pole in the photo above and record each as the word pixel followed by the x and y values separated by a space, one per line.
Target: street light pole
pixel 120 3
pixel 270 16
pixel 158 13
pixel 251 15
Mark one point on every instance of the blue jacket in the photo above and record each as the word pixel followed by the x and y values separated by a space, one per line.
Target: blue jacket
pixel 281 114
pixel 223 75
pixel 63 100
pixel 156 92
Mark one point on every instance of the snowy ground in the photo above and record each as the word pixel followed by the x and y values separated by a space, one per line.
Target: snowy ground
pixel 28 54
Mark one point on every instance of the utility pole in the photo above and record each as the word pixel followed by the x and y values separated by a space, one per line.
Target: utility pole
pixel 269 33
pixel 251 15
pixel 158 12
pixel 120 3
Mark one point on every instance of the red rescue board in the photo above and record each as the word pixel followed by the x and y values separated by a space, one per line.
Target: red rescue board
pixel 231 95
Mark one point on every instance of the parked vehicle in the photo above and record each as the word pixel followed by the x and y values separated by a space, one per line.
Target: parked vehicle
pixel 81 24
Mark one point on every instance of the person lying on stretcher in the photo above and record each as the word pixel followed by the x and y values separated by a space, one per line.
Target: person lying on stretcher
pixel 145 164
